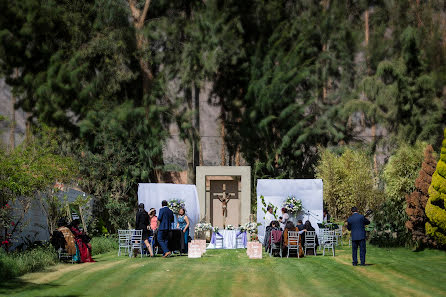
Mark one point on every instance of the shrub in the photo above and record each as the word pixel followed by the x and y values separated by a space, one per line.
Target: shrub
pixel 18 263
pixel 435 207
pixel 348 181
pixel 103 244
pixel 399 176
pixel 416 202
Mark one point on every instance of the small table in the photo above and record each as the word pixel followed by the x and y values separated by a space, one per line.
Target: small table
pixel 229 239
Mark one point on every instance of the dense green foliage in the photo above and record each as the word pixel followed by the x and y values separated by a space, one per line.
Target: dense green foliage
pixel 28 172
pixel 16 264
pixel 436 206
pixel 348 181
pixel 289 76
pixel 399 175
pixel 103 244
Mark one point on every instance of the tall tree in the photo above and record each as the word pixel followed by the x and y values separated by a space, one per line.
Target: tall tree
pixel 416 201
pixel 435 207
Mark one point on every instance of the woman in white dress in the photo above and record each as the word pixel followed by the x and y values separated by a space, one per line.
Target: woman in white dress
pixel 284 218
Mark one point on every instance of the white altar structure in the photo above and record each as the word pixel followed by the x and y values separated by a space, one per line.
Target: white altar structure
pixel 276 191
pixel 152 195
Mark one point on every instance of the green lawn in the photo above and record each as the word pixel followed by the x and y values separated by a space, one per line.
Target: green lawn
pixel 393 272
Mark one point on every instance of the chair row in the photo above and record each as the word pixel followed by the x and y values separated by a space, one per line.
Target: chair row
pixel 130 240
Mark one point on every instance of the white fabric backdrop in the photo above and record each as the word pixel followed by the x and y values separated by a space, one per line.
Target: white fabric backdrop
pixel 276 191
pixel 152 194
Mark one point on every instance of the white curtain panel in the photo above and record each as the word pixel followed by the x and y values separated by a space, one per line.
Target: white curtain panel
pixel 152 194
pixel 276 191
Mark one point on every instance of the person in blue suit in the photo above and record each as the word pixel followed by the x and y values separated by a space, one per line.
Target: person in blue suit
pixel 356 223
pixel 165 219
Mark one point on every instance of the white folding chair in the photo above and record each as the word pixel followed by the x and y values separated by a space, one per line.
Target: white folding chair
pixel 124 241
pixel 218 241
pixel 293 242
pixel 135 241
pixel 329 241
pixel 275 246
pixel 338 234
pixel 239 242
pixel 310 241
pixel 320 236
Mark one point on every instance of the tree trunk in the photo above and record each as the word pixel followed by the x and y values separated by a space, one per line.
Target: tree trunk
pixel 375 162
pixel 139 17
pixel 12 124
pixel 223 143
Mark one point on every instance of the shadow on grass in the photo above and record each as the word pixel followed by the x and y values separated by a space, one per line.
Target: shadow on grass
pixel 15 286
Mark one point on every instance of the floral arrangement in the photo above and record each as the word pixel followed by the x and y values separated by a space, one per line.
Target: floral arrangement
pixel 203 227
pixel 251 227
pixel 265 207
pixel 175 205
pixel 215 229
pixel 292 204
pixel 230 227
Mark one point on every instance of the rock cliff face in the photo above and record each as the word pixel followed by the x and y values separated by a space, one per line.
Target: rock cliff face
pixel 175 150
pixel 6 111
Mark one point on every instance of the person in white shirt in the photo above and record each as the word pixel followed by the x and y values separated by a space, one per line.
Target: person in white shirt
pixel 269 217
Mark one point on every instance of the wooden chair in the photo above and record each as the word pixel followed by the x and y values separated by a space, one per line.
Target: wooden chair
pixel 135 241
pixel 275 246
pixel 329 241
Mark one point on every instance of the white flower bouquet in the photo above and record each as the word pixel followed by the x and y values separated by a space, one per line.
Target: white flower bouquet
pixel 215 229
pixel 175 205
pixel 230 227
pixel 251 227
pixel 292 204
pixel 200 227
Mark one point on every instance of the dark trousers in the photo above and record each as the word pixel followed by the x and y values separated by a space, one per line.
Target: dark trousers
pixel 163 241
pixel 362 250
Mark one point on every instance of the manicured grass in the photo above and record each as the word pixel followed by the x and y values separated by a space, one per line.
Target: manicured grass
pixel 393 272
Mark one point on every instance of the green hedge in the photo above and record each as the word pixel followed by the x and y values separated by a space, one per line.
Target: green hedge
pixel 103 244
pixel 18 263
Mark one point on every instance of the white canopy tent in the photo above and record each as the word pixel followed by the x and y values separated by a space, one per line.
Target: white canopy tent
pixel 276 191
pixel 152 194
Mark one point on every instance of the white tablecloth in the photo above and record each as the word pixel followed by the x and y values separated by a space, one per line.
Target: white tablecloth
pixel 229 239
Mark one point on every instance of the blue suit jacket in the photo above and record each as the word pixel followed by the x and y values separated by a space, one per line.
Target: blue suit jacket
pixel 356 223
pixel 165 217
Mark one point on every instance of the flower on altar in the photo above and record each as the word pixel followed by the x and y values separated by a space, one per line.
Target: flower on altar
pixel 175 205
pixel 251 227
pixel 230 227
pixel 292 204
pixel 203 227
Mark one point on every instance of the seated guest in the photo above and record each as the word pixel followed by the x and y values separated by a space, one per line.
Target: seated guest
pixel 70 245
pixel 309 227
pixel 274 225
pixel 290 227
pixel 142 223
pixel 82 241
pixel 300 225
pixel 183 224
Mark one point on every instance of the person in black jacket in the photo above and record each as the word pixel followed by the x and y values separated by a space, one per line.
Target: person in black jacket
pixel 356 223
pixel 142 223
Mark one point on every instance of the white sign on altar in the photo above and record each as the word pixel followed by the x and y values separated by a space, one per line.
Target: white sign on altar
pixel 152 194
pixel 276 191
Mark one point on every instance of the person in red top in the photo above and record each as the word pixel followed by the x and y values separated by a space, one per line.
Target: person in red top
pixel 153 219
pixel 82 241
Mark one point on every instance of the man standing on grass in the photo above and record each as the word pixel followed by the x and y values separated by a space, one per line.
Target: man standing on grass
pixel 165 219
pixel 356 224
